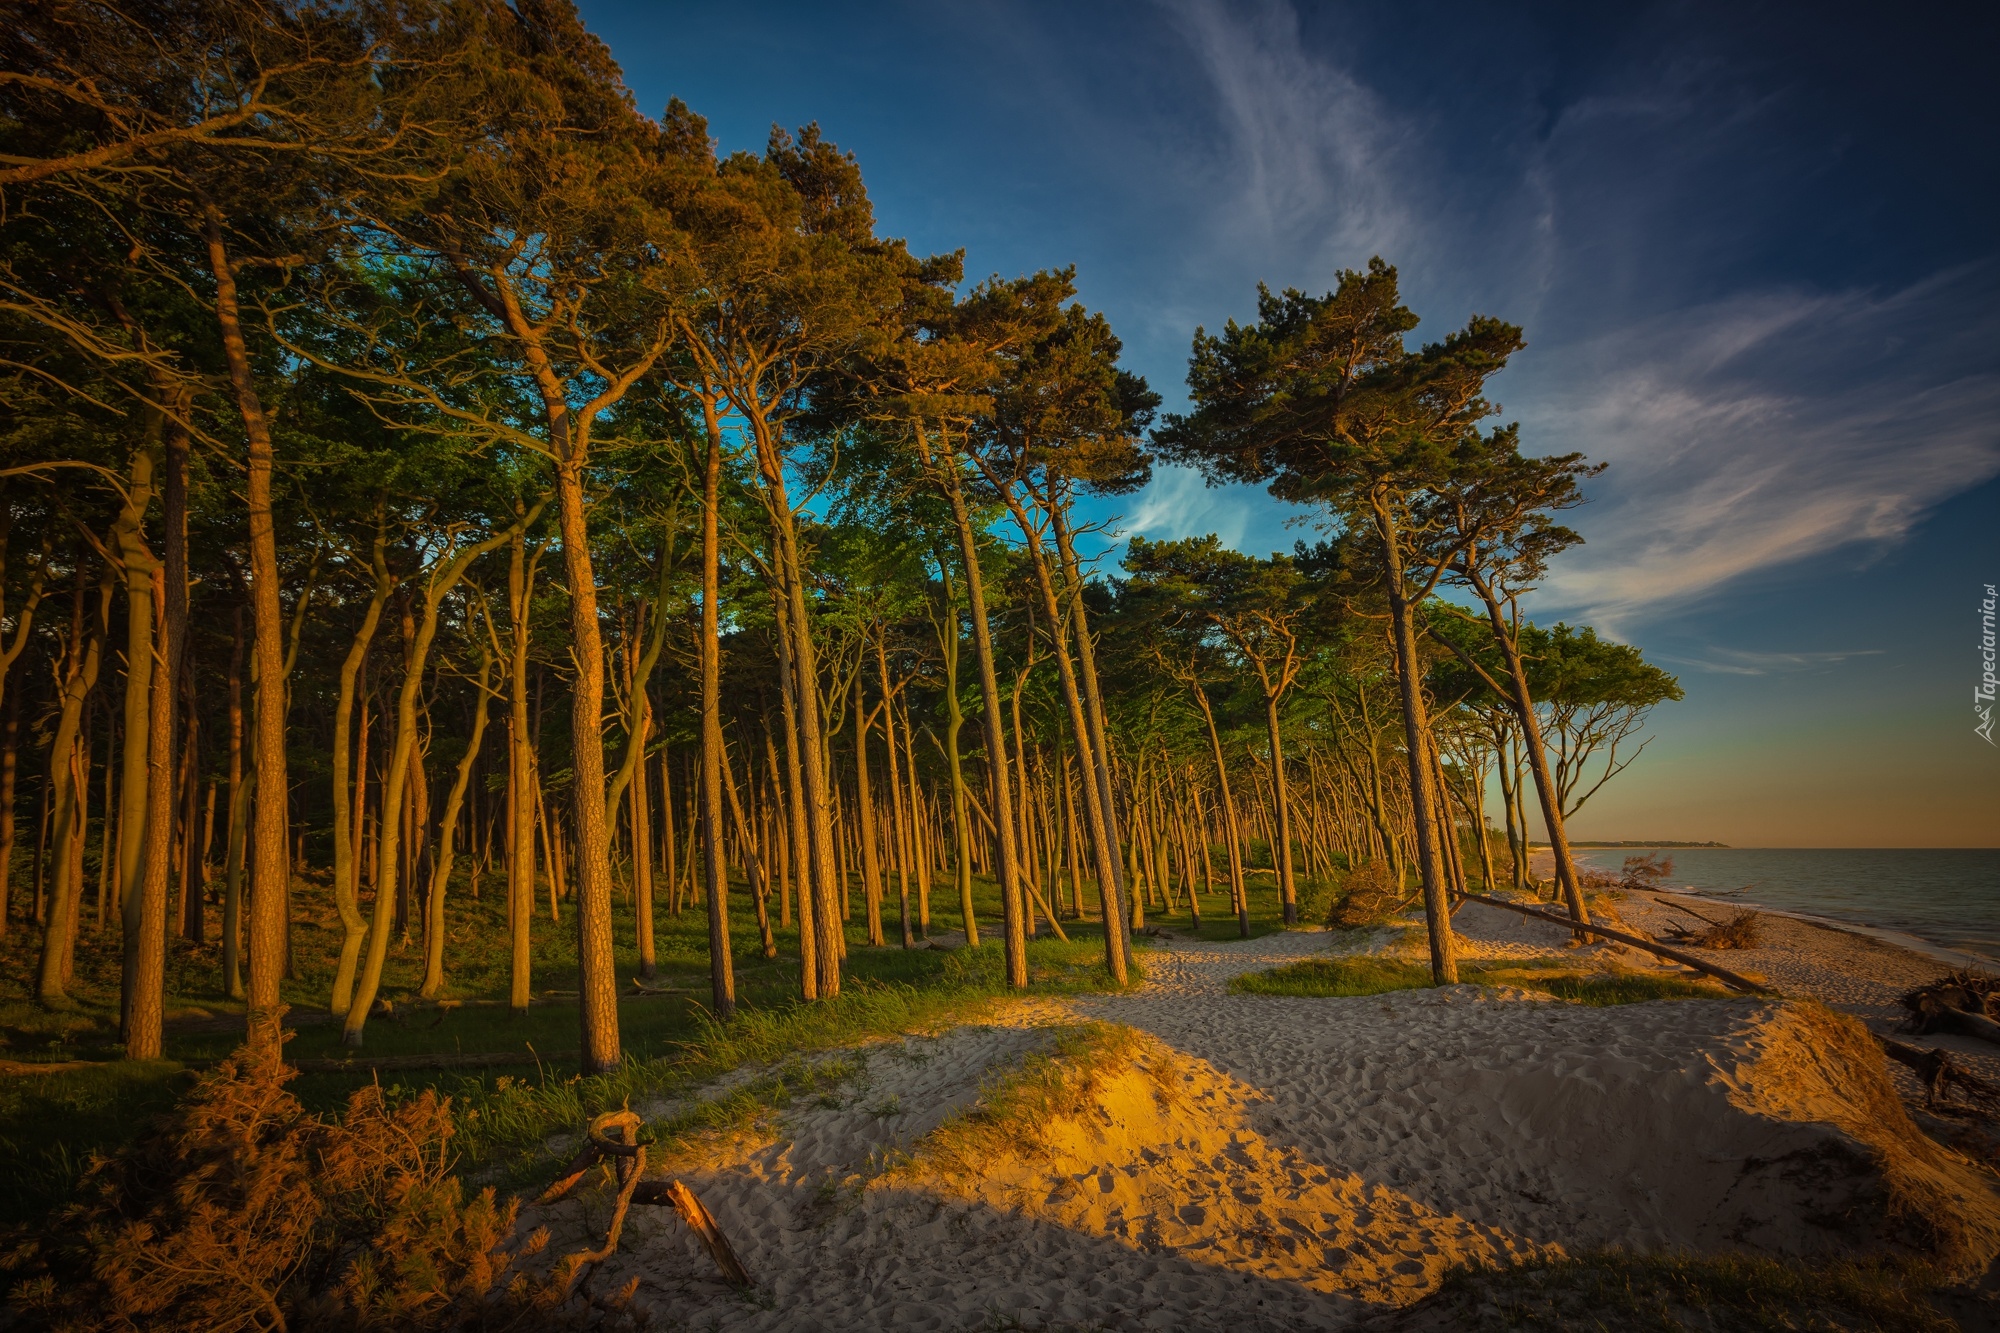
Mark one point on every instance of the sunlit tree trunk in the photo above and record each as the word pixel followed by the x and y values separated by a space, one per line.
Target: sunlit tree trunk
pixel 996 740
pixel 715 874
pixel 1103 842
pixel 346 876
pixel 270 858
pixel 1086 661
pixel 1416 736
pixel 902 832
pixel 961 815
pixel 864 816
pixel 1281 805
pixel 447 837
pixel 239 819
pixel 136 565
pixel 52 980
pixel 798 853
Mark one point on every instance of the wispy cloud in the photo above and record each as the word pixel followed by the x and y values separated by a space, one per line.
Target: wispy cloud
pixel 1768 429
pixel 1303 166
pixel 1747 432
pixel 1179 504
pixel 1741 662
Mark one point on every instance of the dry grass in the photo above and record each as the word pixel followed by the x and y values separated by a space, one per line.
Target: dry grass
pixel 1942 1205
pixel 1017 1111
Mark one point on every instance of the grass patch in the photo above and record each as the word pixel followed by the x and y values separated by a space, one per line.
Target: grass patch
pixel 1372 974
pixel 1672 1293
pixel 1356 974
pixel 50 1125
pixel 1218 918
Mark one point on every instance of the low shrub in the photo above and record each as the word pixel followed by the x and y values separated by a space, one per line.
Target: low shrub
pixel 1369 896
pixel 241 1210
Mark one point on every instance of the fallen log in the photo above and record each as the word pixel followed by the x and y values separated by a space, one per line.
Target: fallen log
pixel 1940 1074
pixel 1722 974
pixel 1964 1023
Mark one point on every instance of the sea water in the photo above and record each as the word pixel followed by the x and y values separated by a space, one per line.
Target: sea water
pixel 1948 897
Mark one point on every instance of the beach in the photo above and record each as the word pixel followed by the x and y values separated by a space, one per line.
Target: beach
pixel 1268 1162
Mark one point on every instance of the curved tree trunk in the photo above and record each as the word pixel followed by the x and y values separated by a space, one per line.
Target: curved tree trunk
pixel 52 978
pixel 346 881
pixel 1538 761
pixel 448 841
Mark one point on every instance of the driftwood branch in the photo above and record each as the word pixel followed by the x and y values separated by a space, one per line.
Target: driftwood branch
pixel 615 1136
pixel 1722 974
pixel 1940 1074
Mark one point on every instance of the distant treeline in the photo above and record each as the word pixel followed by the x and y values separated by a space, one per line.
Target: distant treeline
pixel 1629 842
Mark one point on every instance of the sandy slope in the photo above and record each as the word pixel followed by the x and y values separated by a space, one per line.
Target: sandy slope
pixel 1268 1162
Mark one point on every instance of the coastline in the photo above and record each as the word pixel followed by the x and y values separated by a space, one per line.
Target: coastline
pixel 1983 954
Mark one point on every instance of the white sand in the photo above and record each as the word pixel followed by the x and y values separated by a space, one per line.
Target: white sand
pixel 1310 1161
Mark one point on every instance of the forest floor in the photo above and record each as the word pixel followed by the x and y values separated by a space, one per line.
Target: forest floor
pixel 1288 1131
pixel 65 1094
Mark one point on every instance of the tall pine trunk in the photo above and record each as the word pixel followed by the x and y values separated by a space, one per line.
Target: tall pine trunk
pixel 998 780
pixel 1416 737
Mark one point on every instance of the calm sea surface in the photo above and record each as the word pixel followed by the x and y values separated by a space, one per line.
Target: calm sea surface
pixel 1946 896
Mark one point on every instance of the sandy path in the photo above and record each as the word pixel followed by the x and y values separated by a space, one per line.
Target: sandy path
pixel 1313 1159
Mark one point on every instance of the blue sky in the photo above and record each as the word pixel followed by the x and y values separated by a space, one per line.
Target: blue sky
pixel 1754 249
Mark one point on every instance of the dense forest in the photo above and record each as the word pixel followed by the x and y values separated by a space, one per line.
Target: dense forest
pixel 429 477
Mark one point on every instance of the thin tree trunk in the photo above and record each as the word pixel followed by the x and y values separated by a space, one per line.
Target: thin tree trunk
pixel 1101 828
pixel 1281 805
pixel 864 816
pixel 136 565
pixel 346 878
pixel 10 758
pixel 238 835
pixel 1416 736
pixel 1013 923
pixel 146 1006
pixel 797 839
pixel 715 875
pixel 902 838
pixel 270 863
pixel 58 937
pixel 447 838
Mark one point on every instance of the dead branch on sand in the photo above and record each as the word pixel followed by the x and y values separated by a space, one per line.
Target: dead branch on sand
pixel 1940 1074
pixel 629 1155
